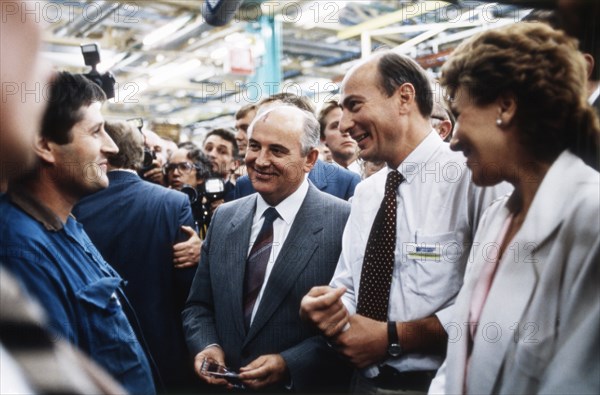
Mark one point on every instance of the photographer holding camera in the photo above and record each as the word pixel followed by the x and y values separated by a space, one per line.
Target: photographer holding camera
pixel 155 156
pixel 189 171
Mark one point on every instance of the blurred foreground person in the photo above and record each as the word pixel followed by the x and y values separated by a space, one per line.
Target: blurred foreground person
pixel 47 249
pixel 530 297
pixel 32 359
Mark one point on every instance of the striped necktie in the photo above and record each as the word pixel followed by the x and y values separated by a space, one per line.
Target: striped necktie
pixel 256 264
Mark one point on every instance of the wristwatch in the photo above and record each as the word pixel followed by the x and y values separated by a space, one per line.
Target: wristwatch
pixel 394 349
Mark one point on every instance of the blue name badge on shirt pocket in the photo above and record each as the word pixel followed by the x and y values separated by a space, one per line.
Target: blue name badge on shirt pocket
pixel 424 251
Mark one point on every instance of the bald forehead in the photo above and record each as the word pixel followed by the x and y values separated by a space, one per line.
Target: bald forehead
pixel 367 67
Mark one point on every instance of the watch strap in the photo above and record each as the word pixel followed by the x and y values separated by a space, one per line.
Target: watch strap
pixel 392 333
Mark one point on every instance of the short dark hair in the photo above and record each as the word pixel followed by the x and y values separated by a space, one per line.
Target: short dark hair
pixel 328 106
pixel 130 142
pixel 68 93
pixel 203 165
pixel 227 135
pixel 302 102
pixel 243 111
pixel 188 145
pixel 395 70
pixel 584 26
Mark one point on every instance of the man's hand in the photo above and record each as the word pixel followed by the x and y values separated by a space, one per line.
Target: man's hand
pixel 155 174
pixel 323 307
pixel 364 343
pixel 217 355
pixel 187 253
pixel 215 204
pixel 263 371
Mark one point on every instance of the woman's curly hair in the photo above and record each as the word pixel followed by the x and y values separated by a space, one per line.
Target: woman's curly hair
pixel 544 71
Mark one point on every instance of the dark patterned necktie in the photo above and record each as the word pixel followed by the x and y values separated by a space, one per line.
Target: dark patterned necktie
pixel 256 264
pixel 378 263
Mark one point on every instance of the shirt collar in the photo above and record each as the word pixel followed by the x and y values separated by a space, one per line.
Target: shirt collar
pixel 594 95
pixel 23 199
pixel 123 170
pixel 288 208
pixel 416 160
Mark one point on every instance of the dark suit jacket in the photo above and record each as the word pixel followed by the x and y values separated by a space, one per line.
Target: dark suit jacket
pixel 213 312
pixel 327 177
pixel 134 224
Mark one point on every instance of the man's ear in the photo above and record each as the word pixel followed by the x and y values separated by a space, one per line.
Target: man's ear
pixel 45 149
pixel 235 163
pixel 311 159
pixel 406 95
pixel 444 129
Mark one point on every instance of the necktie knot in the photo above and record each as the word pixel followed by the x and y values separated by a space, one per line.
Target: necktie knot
pixel 271 214
pixel 393 181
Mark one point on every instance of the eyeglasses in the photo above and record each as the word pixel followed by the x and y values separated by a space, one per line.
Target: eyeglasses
pixel 184 167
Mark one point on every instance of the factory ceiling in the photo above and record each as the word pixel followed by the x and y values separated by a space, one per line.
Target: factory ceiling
pixel 174 68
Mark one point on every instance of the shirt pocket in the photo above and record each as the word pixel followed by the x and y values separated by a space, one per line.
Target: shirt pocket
pixel 108 336
pixel 433 268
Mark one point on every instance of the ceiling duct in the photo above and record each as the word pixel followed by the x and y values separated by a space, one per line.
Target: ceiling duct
pixel 82 24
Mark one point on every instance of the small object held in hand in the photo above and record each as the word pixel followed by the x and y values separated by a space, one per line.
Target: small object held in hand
pixel 212 368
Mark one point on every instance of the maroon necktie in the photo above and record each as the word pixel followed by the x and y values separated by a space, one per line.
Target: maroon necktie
pixel 378 263
pixel 256 264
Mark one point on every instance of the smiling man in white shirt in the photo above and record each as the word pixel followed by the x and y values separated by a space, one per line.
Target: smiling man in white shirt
pixel 387 103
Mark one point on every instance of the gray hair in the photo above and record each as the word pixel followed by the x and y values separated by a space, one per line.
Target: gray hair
pixel 310 138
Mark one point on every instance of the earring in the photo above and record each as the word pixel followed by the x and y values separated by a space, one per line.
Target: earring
pixel 498 122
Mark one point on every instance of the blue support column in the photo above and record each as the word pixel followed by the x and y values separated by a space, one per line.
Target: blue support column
pixel 267 77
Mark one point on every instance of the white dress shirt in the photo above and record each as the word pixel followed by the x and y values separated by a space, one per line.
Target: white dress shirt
pixel 438 211
pixel 287 210
pixel 356 167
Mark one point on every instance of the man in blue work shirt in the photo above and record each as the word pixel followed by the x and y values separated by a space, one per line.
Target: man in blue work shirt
pixel 48 250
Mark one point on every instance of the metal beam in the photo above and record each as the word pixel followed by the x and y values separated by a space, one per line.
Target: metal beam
pixel 405 13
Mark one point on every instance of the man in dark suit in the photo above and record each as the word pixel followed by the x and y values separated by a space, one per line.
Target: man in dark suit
pixel 250 322
pixel 134 224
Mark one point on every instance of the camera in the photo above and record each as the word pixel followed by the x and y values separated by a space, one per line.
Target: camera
pixel 106 81
pixel 201 198
pixel 214 189
pixel 148 162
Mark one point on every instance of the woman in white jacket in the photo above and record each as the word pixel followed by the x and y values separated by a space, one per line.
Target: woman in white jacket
pixel 527 318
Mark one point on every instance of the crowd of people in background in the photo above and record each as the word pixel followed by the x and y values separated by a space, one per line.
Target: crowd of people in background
pixel 392 242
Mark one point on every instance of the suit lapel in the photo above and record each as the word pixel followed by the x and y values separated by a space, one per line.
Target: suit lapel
pixel 295 254
pixel 235 259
